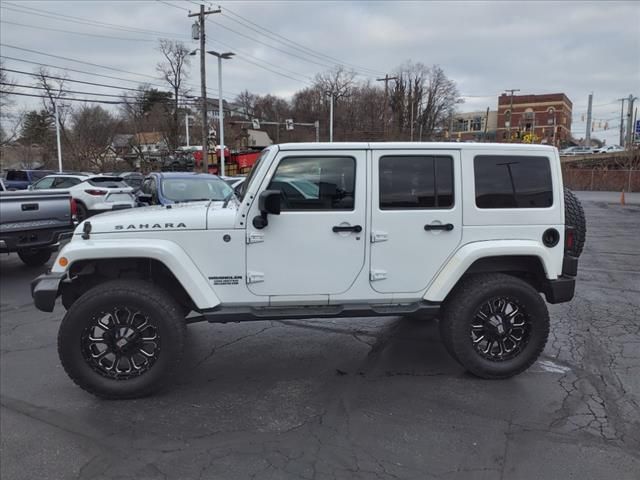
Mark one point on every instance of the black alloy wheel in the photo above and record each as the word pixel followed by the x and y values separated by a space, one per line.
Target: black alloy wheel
pixel 121 343
pixel 500 329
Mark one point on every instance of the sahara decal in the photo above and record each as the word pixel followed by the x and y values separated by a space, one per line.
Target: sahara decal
pixel 149 226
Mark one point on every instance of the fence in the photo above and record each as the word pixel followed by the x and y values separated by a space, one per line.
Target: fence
pixel 601 180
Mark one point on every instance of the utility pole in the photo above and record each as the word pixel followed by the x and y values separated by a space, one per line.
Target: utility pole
pixel 486 124
pixel 386 80
pixel 331 117
pixel 186 126
pixel 630 132
pixel 317 125
pixel 512 91
pixel 622 100
pixel 587 135
pixel 55 111
pixel 203 85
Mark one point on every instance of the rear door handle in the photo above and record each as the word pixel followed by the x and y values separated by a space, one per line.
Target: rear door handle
pixel 447 227
pixel 347 228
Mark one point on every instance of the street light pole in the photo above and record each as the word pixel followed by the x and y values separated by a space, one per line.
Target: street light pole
pixel 331 117
pixel 221 56
pixel 186 126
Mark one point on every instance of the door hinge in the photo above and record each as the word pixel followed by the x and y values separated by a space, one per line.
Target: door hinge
pixel 255 277
pixel 375 275
pixel 378 236
pixel 255 237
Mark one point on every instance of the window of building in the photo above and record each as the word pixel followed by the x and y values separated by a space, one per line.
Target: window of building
pixel 476 124
pixel 420 182
pixel 504 181
pixel 507 118
pixel 315 183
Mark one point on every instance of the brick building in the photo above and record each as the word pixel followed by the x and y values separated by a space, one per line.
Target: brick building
pixel 547 116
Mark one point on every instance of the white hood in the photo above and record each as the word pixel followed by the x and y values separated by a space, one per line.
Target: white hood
pixel 157 218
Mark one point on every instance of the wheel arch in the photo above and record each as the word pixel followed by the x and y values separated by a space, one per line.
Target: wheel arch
pixel 161 262
pixel 524 259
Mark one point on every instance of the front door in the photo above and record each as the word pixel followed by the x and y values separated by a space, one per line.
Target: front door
pixel 416 217
pixel 315 247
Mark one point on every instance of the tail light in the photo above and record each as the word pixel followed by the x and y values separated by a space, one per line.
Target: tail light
pixel 74 208
pixel 96 193
pixel 569 239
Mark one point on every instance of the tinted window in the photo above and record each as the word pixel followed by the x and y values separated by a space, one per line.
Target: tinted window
pixel 316 183
pixel 108 182
pixel 416 182
pixel 512 182
pixel 65 182
pixel 17 175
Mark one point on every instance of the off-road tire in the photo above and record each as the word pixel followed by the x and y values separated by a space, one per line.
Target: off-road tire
pixel 34 258
pixel 163 313
pixel 574 217
pixel 462 306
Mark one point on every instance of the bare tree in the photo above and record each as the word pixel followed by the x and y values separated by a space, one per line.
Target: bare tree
pixel 10 123
pixel 174 70
pixel 93 132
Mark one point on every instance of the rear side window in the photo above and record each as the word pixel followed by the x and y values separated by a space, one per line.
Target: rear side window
pixel 315 183
pixel 18 176
pixel 420 182
pixel 508 181
pixel 65 182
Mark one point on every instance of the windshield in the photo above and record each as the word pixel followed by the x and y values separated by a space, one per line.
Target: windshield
pixel 252 173
pixel 190 189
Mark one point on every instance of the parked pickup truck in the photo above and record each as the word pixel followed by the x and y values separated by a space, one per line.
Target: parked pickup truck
pixel 21 179
pixel 478 235
pixel 32 224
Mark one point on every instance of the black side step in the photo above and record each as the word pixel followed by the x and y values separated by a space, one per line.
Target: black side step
pixel 250 314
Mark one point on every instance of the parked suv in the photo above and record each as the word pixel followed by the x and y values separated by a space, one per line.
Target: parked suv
pixel 476 234
pixel 21 179
pixel 92 193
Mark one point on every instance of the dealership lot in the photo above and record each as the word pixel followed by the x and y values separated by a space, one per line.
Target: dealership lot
pixel 352 398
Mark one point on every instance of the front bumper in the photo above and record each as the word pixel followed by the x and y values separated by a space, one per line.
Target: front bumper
pixel 45 289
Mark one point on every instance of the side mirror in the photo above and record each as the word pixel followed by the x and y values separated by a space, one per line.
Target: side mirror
pixel 268 202
pixel 30 187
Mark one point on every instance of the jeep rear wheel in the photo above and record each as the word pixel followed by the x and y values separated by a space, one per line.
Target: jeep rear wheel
pixel 122 339
pixel 495 325
pixel 574 217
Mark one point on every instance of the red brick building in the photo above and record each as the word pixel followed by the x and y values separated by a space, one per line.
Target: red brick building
pixel 547 116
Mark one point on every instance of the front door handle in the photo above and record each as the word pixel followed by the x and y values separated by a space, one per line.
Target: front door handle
pixel 447 227
pixel 347 228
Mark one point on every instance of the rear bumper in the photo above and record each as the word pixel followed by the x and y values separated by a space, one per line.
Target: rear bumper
pixel 34 239
pixel 44 290
pixel 563 288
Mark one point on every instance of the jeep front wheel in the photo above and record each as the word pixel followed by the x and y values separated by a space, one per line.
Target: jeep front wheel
pixel 122 339
pixel 495 325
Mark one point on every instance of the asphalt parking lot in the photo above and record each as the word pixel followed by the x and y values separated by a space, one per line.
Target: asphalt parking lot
pixel 354 398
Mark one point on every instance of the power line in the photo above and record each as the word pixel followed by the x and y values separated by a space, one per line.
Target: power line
pixel 86 21
pixel 293 44
pixel 71 32
pixel 88 100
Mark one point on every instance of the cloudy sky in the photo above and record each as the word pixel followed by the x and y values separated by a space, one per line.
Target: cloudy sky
pixel 575 47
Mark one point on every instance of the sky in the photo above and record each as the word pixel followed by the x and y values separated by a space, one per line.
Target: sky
pixel 574 47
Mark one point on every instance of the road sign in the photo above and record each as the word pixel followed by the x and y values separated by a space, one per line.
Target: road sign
pixel 255 123
pixel 289 124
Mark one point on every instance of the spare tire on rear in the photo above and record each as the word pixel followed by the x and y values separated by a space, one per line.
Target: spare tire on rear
pixel 574 217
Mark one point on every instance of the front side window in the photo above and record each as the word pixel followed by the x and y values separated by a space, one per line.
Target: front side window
pixel 504 181
pixel 315 183
pixel 46 182
pixel 420 182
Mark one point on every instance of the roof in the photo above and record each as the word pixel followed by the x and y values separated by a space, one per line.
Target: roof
pixel 412 146
pixel 183 175
pixel 148 137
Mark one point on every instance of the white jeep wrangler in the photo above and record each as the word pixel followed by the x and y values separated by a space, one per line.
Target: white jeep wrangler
pixel 470 233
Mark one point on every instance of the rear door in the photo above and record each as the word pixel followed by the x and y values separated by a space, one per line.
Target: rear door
pixel 416 217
